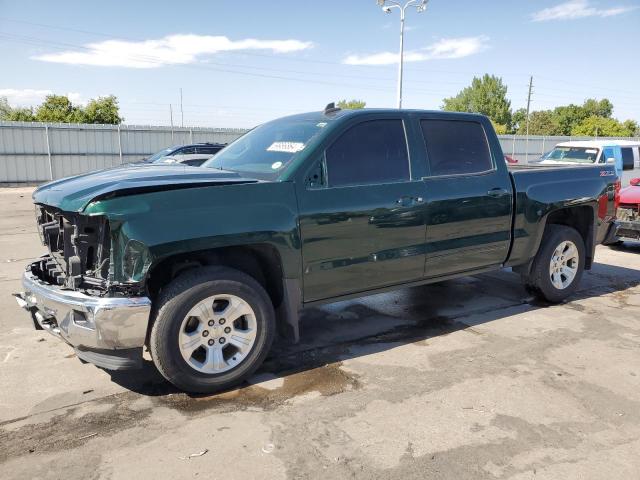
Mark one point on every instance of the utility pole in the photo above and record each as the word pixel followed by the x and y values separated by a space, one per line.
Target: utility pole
pixel 528 109
pixel 181 110
pixel 171 117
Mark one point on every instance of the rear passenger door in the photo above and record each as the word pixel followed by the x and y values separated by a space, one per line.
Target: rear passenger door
pixel 362 214
pixel 469 198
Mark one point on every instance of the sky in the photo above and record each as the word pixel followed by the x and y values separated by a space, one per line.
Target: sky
pixel 242 63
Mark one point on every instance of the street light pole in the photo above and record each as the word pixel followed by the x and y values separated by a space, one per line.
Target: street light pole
pixel 401 62
pixel 387 5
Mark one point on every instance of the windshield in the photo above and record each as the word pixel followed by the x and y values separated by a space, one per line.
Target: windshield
pixel 160 154
pixel 266 150
pixel 572 154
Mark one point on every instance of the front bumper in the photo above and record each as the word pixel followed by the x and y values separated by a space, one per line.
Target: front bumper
pixel 106 331
pixel 627 230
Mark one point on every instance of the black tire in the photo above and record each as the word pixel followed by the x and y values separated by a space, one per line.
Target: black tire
pixel 175 302
pixel 539 279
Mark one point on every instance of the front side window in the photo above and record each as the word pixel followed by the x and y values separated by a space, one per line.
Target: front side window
pixel 456 147
pixel 371 152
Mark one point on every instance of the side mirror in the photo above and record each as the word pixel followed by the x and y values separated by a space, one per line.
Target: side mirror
pixel 315 179
pixel 635 182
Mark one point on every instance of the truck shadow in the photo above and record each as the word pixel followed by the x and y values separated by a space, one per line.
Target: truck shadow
pixel 346 330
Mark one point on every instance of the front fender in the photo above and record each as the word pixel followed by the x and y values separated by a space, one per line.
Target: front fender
pixel 189 220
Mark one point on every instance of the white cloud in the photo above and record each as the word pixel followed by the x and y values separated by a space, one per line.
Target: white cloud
pixel 170 50
pixel 443 49
pixel 578 9
pixel 27 97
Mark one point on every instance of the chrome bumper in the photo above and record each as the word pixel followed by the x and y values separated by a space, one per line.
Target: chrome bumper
pixel 85 322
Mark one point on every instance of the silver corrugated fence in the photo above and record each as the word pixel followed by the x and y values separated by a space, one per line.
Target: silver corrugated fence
pixel 38 152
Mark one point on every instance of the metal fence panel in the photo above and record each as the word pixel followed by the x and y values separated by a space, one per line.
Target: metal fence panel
pixel 37 152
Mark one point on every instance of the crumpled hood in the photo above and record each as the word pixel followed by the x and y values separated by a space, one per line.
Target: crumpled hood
pixel 75 193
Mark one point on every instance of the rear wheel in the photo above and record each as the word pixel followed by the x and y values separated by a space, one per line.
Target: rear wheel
pixel 558 265
pixel 213 328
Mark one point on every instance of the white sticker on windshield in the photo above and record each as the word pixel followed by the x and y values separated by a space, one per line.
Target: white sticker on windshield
pixel 276 165
pixel 591 150
pixel 286 147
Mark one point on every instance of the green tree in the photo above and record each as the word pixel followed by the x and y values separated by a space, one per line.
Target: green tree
pixel 351 104
pixel 542 122
pixel 597 108
pixel 486 95
pixel 600 127
pixel 102 110
pixel 57 108
pixel 518 119
pixel 568 116
pixel 24 114
pixel 5 108
pixel 632 128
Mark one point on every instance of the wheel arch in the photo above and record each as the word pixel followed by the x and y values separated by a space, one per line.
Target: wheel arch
pixel 261 261
pixel 582 218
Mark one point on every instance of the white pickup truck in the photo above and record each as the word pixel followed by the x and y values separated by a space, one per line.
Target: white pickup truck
pixel 625 154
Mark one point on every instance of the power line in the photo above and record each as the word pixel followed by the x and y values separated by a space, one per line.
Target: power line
pixel 303 60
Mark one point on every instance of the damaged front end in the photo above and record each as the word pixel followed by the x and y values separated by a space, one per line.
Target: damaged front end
pixel 79 250
pixel 76 292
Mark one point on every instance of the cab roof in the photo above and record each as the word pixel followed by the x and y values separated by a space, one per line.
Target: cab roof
pixel 344 113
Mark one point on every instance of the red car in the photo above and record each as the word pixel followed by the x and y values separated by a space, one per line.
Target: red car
pixel 628 213
pixel 510 159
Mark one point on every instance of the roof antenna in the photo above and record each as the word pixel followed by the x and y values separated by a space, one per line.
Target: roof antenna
pixel 331 108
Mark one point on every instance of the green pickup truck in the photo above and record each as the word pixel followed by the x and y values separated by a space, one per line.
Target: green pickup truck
pixel 204 265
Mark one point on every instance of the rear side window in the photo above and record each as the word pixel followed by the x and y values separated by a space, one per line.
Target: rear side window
pixel 627 159
pixel 371 152
pixel 186 151
pixel 456 147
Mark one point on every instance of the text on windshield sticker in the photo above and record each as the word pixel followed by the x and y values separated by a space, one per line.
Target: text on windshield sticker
pixel 286 147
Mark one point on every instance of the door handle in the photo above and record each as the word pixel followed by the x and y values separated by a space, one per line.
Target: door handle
pixel 408 201
pixel 498 192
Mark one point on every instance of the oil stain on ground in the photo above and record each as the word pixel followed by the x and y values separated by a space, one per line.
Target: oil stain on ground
pixel 326 380
pixel 68 430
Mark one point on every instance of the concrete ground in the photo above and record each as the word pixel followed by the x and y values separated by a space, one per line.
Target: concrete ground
pixel 464 379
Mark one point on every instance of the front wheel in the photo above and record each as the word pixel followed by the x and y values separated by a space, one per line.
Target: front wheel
pixel 214 327
pixel 558 266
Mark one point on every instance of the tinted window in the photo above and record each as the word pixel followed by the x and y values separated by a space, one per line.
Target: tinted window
pixel 627 159
pixel 186 151
pixel 456 147
pixel 370 152
pixel 193 163
pixel 209 150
